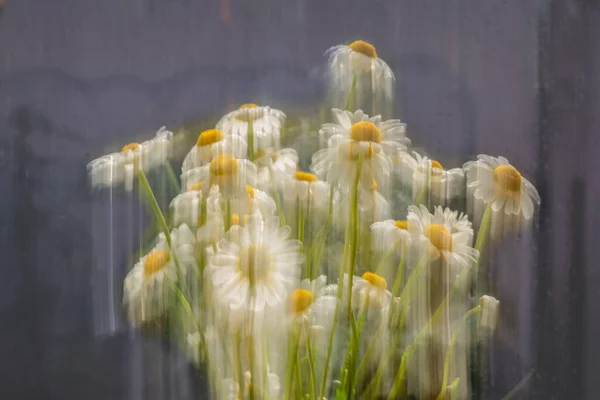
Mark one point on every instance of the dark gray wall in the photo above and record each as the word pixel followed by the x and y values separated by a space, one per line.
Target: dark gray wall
pixel 517 78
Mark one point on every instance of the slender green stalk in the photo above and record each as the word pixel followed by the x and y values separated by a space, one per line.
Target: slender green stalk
pixel 298 371
pixel 388 253
pixel 399 272
pixel 321 237
pixel 163 224
pixel 251 140
pixel 519 386
pixel 228 214
pixel 311 364
pixel 291 362
pixel 465 317
pixel 329 347
pixel 351 94
pixel 484 228
pixel 277 198
pixel 300 222
pixel 238 363
pixel 399 379
pixel 173 178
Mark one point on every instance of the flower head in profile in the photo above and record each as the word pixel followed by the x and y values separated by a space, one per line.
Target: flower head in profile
pixel 276 167
pixel 262 122
pixel 369 291
pixel 445 233
pixel 250 202
pixel 186 207
pixel 147 293
pixel 494 179
pixel 314 302
pixel 390 234
pixel 356 69
pixel 212 143
pixel 426 180
pixel 230 174
pixel 121 167
pixel 254 269
pixel 339 162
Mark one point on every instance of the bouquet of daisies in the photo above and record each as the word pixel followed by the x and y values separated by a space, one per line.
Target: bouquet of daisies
pixel 361 276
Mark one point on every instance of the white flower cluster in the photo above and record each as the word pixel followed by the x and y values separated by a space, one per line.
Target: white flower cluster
pixel 347 281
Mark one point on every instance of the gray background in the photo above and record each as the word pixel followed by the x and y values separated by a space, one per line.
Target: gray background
pixel 516 78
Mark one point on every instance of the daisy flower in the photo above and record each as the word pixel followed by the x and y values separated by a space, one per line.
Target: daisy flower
pixel 116 168
pixel 445 233
pixel 254 269
pixel 229 173
pixel 338 163
pixel 147 293
pixel 370 291
pixel 304 195
pixel 314 302
pixel 355 69
pixel 389 239
pixel 393 131
pixel 275 168
pixel 426 181
pixel 251 201
pixel 259 126
pixel 489 312
pixel 186 207
pixel 513 198
pixel 212 143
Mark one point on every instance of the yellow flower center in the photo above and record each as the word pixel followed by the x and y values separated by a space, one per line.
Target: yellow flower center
pixel 248 105
pixel 235 219
pixel 130 146
pixel 195 186
pixel 250 191
pixel 224 165
pixel 436 164
pixel 255 262
pixel 360 46
pixel 401 224
pixel 439 236
pixel 375 280
pixel 301 299
pixel 305 176
pixel 508 179
pixel 155 261
pixel 365 131
pixel 209 137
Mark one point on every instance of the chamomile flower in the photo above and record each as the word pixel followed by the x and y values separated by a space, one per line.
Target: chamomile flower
pixel 314 302
pixel 247 203
pixel 212 143
pixel 356 70
pixel 116 168
pixel 370 291
pixel 275 168
pixel 392 133
pixel 259 125
pixel 445 233
pixel 254 269
pixel 426 181
pixel 147 292
pixel 307 198
pixel 186 207
pixel 494 180
pixel 339 162
pixel 230 174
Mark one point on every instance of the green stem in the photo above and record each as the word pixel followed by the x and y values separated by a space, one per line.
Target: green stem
pixel 465 317
pixel 173 178
pixel 329 348
pixel 291 362
pixel 321 237
pixel 484 228
pixel 238 363
pixel 351 94
pixel 300 222
pixel 298 370
pixel 385 257
pixel 399 379
pixel 163 224
pixel 519 386
pixel 277 198
pixel 228 214
pixel 251 140
pixel 399 272
pixel 311 364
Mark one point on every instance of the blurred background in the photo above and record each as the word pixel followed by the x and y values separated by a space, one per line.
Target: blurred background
pixel 79 78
